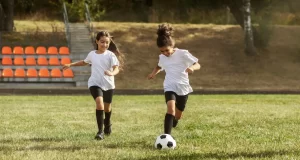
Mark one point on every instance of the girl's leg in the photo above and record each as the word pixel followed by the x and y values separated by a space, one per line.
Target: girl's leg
pixel 98 97
pixel 170 99
pixel 107 98
pixel 180 106
pixel 107 124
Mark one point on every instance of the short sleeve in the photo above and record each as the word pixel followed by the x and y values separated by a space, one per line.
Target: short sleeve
pixel 189 59
pixel 114 61
pixel 88 58
pixel 160 64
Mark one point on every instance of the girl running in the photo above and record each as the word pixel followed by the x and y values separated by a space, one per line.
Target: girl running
pixel 177 63
pixel 106 62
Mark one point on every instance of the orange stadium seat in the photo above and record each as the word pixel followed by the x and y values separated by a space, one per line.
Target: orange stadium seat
pixel 53 61
pixel 42 61
pixel 7 61
pixel 68 73
pixel 56 73
pixel 30 61
pixel 6 50
pixel 18 50
pixel 19 61
pixel 64 50
pixel 29 50
pixel 52 50
pixel 44 73
pixel 65 60
pixel 20 73
pixel 31 73
pixel 40 50
pixel 7 73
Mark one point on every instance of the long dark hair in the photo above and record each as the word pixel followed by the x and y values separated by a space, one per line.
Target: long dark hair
pixel 112 47
pixel 164 35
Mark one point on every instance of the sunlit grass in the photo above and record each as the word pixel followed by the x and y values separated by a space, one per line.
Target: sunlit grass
pixel 39 26
pixel 213 127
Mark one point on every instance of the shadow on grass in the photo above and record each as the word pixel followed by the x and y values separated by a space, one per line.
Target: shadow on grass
pixel 32 140
pixel 222 155
pixel 41 148
pixel 136 144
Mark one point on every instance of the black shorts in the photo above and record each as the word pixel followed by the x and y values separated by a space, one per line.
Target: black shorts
pixel 180 101
pixel 97 91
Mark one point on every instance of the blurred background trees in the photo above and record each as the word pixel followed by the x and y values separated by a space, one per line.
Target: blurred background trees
pixel 265 13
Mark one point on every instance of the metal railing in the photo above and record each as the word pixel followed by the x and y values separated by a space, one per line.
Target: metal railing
pixel 67 26
pixel 89 22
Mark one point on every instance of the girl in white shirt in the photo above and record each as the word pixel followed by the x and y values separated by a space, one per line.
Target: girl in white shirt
pixel 177 63
pixel 106 62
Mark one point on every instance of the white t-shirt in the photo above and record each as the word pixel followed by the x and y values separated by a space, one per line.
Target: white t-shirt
pixel 176 79
pixel 100 63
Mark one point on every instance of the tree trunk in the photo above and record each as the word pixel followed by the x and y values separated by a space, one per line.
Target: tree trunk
pixel 8 17
pixel 1 17
pixel 249 45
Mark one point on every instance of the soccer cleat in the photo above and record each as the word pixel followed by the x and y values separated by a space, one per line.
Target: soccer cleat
pixel 99 136
pixel 175 122
pixel 107 129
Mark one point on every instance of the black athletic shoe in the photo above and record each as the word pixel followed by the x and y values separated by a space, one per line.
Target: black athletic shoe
pixel 107 129
pixel 99 136
pixel 175 122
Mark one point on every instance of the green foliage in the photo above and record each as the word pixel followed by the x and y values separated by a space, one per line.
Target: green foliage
pixel 76 11
pixel 263 27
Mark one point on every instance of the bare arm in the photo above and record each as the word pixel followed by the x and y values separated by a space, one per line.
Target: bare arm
pixel 194 67
pixel 79 63
pixel 155 71
pixel 114 72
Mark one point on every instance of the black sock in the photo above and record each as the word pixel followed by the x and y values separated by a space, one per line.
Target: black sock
pixel 99 117
pixel 107 118
pixel 168 123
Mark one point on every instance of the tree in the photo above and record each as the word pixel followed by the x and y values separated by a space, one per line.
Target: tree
pixel 249 46
pixel 7 19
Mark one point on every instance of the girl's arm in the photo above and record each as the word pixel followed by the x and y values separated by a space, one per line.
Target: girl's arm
pixel 79 63
pixel 114 72
pixel 155 71
pixel 195 66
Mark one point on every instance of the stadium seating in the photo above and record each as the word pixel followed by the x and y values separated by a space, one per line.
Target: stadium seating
pixel 20 73
pixel 30 61
pixel 42 61
pixel 44 73
pixel 68 73
pixel 6 50
pixel 56 73
pixel 35 64
pixel 41 50
pixel 7 73
pixel 65 60
pixel 18 50
pixel 64 51
pixel 53 61
pixel 52 50
pixel 19 61
pixel 29 50
pixel 31 73
pixel 6 61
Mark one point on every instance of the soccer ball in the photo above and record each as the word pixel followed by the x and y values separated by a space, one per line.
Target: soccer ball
pixel 165 141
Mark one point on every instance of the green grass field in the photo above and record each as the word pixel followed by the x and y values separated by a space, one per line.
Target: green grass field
pixel 213 127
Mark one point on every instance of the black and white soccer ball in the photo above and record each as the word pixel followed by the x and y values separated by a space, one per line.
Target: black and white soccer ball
pixel 165 141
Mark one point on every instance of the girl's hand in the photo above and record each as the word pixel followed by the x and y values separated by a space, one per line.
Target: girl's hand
pixel 190 70
pixel 66 66
pixel 151 76
pixel 108 73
